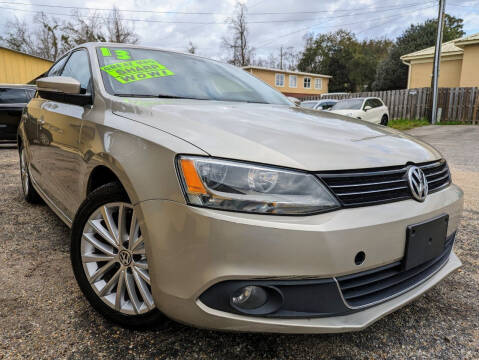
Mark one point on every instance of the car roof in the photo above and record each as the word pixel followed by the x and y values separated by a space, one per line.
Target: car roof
pixel 18 86
pixel 363 98
pixel 93 45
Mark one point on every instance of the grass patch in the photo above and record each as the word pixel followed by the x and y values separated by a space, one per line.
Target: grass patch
pixel 406 124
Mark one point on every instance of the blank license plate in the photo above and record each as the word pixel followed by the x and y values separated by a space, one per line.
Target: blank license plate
pixel 425 241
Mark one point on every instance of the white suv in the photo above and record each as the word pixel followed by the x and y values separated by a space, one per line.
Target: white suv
pixel 370 109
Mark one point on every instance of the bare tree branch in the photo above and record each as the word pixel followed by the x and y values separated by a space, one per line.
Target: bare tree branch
pixel 49 37
pixel 81 30
pixel 118 30
pixel 240 52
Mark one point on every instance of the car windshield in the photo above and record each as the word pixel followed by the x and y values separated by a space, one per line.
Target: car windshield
pixel 349 104
pixel 308 105
pixel 155 73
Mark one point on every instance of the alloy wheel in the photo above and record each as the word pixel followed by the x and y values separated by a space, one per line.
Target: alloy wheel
pixel 114 259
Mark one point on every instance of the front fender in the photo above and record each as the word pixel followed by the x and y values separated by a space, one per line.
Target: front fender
pixel 142 157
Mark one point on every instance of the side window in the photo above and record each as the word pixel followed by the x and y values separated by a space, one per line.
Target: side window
pixel 307 83
pixel 57 68
pixel 78 67
pixel 13 96
pixel 279 80
pixel 292 81
pixel 377 103
pixel 30 93
pixel 368 102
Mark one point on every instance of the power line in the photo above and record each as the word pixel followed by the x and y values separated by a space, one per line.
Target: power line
pixel 332 18
pixel 196 12
pixel 281 36
pixel 466 6
pixel 210 22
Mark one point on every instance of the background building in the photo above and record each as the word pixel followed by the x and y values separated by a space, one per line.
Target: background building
pixel 292 83
pixel 459 64
pixel 20 68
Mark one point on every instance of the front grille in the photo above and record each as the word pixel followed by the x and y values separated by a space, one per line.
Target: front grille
pixel 382 185
pixel 376 285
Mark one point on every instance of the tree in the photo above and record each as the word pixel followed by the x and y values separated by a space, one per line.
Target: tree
pixel 237 44
pixel 43 40
pixel 286 59
pixel 49 37
pixel 18 37
pixel 351 64
pixel 118 30
pixel 83 29
pixel 367 56
pixel 392 73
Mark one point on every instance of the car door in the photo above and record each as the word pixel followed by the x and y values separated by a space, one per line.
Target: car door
pixel 368 115
pixel 378 110
pixel 32 118
pixel 58 158
pixel 12 102
pixel 381 108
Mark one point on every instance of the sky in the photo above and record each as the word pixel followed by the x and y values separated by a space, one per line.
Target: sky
pixel 172 24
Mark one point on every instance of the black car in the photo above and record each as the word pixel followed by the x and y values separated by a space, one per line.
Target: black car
pixel 13 98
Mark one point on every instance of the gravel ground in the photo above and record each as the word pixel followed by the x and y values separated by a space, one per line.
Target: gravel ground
pixel 44 315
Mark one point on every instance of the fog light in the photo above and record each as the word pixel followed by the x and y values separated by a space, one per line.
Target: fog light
pixel 249 297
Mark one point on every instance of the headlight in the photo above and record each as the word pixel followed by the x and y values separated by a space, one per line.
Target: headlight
pixel 236 186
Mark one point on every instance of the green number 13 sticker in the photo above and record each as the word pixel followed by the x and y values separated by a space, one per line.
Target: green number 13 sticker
pixel 119 54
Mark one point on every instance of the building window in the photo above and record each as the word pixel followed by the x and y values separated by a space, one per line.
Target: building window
pixel 307 83
pixel 279 80
pixel 318 84
pixel 292 81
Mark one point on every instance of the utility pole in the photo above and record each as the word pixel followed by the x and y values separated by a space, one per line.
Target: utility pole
pixel 281 57
pixel 437 60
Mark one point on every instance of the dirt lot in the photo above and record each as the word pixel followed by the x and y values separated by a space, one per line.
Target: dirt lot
pixel 44 315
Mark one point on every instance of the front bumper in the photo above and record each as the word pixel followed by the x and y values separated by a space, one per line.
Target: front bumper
pixel 190 249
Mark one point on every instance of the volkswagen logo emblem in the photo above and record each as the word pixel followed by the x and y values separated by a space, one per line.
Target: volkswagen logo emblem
pixel 125 257
pixel 417 183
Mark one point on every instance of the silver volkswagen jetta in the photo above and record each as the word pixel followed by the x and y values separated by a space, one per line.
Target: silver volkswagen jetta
pixel 196 191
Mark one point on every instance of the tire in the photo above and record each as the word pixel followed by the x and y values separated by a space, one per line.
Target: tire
pixel 115 279
pixel 384 120
pixel 29 193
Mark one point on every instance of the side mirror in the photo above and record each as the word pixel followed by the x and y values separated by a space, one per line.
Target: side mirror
pixel 366 108
pixel 295 101
pixel 63 89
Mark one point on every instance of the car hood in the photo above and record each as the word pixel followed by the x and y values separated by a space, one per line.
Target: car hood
pixel 277 134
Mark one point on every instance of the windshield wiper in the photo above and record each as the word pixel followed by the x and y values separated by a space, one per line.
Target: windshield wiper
pixel 136 95
pixel 162 96
pixel 178 97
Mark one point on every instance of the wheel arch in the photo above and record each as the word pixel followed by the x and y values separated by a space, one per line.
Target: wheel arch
pixel 103 170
